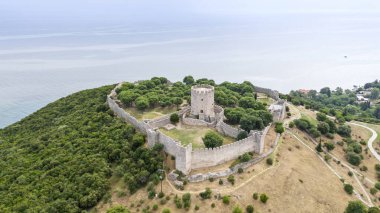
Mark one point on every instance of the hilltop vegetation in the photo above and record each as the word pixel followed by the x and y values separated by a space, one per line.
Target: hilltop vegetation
pixel 241 106
pixel 60 158
pixel 341 103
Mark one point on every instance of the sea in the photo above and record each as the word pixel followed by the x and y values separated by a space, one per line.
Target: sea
pixel 42 63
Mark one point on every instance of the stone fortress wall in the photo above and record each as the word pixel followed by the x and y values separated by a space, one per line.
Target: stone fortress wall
pixel 271 93
pixel 188 158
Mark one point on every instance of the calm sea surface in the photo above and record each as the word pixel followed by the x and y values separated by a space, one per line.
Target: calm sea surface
pixel 41 64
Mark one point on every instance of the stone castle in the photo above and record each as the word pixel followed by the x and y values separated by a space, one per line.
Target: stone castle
pixel 201 112
pixel 202 102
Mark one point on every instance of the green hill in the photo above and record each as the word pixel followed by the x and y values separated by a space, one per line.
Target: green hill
pixel 60 158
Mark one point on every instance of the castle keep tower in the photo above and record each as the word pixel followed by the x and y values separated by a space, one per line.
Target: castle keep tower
pixel 202 102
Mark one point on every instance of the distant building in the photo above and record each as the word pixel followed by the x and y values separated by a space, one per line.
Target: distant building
pixel 304 91
pixel 361 99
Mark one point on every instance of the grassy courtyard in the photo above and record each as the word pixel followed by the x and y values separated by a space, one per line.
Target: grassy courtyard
pixel 150 113
pixel 263 98
pixel 193 134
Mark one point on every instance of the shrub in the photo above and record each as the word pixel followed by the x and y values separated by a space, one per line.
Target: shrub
pixel 118 209
pixel 242 135
pixel 240 170
pixel 373 191
pixel 206 194
pixel 174 118
pixel 329 146
pixel 348 188
pixel 327 157
pixel 319 147
pixel 245 157
pixel 186 199
pixel 155 207
pixel 264 198
pixel 279 128
pixel 363 168
pixel 269 161
pixel 291 124
pixel 231 179
pixel 226 200
pixel 377 185
pixel 373 209
pixel 377 167
pixel 151 194
pixel 162 201
pixel 212 140
pixel 166 211
pixel 178 202
pixel 237 209
pixel 356 207
pixel 255 196
pixel 353 158
pixel 161 195
pixel 250 209
pixel 344 131
pixel 350 173
pixel 220 182
pixel 212 205
pixel 196 208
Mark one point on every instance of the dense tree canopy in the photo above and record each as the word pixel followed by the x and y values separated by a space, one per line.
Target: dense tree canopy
pixel 341 104
pixel 237 99
pixel 60 158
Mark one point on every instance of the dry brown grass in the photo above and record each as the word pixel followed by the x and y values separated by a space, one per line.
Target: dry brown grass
pixel 298 182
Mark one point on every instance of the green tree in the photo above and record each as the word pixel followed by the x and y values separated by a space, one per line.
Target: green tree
pixel 356 207
pixel 344 131
pixel 249 209
pixel 321 116
pixel 373 209
pixel 264 198
pixel 329 146
pixel 142 103
pixel 249 122
pixel 319 147
pixel 174 118
pixel 189 80
pixel 212 140
pixel 326 91
pixel 323 127
pixel 226 199
pixel 353 158
pixel 376 112
pixel 206 194
pixel 279 128
pixel 242 135
pixel 348 188
pixel 237 209
pixel 375 93
pixel 118 209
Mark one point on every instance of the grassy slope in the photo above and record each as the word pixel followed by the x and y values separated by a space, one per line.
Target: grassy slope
pixel 58 159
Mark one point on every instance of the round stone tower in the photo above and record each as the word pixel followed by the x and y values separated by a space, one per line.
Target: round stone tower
pixel 202 102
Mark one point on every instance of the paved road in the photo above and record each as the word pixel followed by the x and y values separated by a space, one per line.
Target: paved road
pixel 371 140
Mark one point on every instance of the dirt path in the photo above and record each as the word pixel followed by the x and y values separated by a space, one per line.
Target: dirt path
pixel 371 140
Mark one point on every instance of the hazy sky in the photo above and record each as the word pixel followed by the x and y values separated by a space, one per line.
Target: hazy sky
pixel 16 11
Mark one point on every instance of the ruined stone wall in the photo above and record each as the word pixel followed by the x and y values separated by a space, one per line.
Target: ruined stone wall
pixel 228 130
pixel 271 93
pixel 174 148
pixel 164 120
pixel 126 117
pixel 207 157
